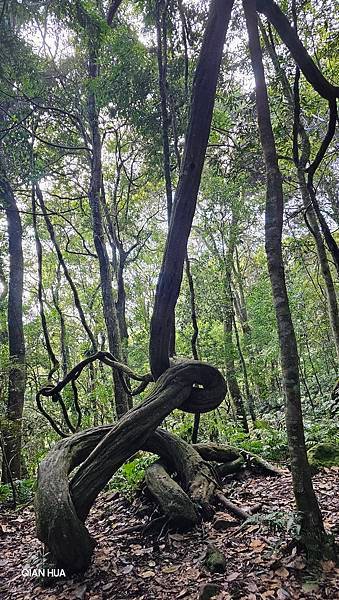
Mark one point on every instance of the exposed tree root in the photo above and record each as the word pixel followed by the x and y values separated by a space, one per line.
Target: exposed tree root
pixel 231 507
pixel 197 477
pixel 174 502
pixel 62 507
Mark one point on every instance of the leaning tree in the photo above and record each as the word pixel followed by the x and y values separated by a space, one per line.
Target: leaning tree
pixel 63 503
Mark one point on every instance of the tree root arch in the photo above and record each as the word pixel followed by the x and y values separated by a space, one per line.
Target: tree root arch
pixel 62 506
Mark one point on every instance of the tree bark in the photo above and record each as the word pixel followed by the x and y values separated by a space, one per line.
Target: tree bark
pixel 61 508
pixel 231 378
pixel 289 36
pixel 194 338
pixel 161 26
pixel 62 262
pixel 310 215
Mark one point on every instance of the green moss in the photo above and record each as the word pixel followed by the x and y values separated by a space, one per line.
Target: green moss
pixel 215 560
pixel 323 455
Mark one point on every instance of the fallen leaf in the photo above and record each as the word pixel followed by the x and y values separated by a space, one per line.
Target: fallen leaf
pixel 177 537
pixel 170 569
pixel 127 569
pixel 251 586
pixel 257 545
pixel 252 528
pixel 282 572
pixel 310 586
pixel 232 576
pixel 147 574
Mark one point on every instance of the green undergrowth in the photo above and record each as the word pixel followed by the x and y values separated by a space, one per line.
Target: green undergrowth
pixel 130 476
pixel 25 489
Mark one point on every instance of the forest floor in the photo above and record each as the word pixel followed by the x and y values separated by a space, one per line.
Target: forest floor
pixel 261 560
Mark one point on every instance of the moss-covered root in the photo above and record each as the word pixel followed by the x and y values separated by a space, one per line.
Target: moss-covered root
pixel 174 502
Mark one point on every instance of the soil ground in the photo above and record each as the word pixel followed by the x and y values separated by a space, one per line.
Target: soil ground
pixel 262 562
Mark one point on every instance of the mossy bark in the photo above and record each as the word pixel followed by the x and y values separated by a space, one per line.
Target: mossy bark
pixel 62 507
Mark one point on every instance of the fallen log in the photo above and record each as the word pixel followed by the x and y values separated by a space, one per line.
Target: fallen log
pixel 264 465
pixel 224 454
pixel 217 453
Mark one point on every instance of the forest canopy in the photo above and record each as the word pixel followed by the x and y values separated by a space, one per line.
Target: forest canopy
pixel 169 258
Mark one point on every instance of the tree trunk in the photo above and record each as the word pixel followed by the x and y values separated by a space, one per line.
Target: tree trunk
pixel 16 343
pixel 62 507
pixel 94 194
pixel 231 378
pixel 62 262
pixel 232 382
pixel 161 25
pixel 204 88
pixel 331 297
pixel 310 215
pixel 194 338
pixel 249 397
pixel 312 530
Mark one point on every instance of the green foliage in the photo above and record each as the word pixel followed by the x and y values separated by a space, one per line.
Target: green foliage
pixel 25 489
pixel 323 455
pixel 278 521
pixel 44 87
pixel 131 474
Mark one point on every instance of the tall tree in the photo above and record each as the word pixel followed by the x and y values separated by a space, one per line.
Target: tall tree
pixel 312 529
pixel 301 159
pixel 16 343
pixel 93 33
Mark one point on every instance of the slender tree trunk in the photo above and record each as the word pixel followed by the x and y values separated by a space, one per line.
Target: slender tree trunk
pixel 94 194
pixel 3 304
pixel 67 274
pixel 232 382
pixel 310 215
pixel 231 378
pixel 249 397
pixel 324 88
pixel 162 74
pixel 63 331
pixel 312 529
pixel 161 26
pixel 331 298
pixel 203 96
pixel 194 338
pixel 241 311
pixel 16 343
pixel 121 304
pixel 53 359
pixel 119 257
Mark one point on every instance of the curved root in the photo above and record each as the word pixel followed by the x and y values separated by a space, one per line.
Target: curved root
pixel 61 508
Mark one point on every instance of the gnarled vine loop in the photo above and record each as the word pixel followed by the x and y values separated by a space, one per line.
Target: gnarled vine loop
pixel 61 507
